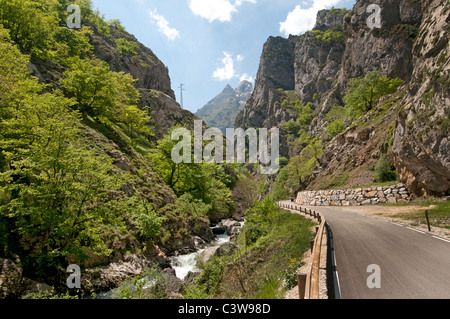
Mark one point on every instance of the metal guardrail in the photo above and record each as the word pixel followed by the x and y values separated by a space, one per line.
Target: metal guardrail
pixel 309 287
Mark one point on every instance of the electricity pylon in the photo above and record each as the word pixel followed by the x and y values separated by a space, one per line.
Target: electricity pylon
pixel 181 95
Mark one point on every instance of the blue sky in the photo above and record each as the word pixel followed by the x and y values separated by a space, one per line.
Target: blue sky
pixel 207 44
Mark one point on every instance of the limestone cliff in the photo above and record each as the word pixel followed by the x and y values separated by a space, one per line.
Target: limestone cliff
pixel 410 125
pixel 276 71
pixel 421 146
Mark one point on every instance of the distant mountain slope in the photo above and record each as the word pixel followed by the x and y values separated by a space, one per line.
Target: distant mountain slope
pixel 221 111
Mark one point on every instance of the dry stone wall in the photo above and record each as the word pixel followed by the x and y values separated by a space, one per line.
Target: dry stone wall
pixel 355 197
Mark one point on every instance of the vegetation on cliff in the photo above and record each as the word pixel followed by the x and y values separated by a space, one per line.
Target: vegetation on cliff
pixel 81 178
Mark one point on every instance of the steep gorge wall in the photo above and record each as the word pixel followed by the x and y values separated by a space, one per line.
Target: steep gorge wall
pixel 421 145
pixel 412 126
pixel 276 71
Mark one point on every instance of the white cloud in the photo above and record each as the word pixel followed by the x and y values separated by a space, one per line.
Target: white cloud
pixel 226 72
pixel 212 10
pixel 163 25
pixel 301 20
pixel 240 2
pixel 246 77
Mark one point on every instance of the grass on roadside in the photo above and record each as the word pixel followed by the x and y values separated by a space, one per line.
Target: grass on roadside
pixel 438 212
pixel 271 247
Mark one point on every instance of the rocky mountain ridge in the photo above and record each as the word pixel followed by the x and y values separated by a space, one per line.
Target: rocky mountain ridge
pixel 222 110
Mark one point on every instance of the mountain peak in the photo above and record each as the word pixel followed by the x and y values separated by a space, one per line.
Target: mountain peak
pixel 244 86
pixel 228 89
pixel 222 110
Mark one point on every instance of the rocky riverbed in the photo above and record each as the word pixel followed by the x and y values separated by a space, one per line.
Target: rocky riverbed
pixel 101 279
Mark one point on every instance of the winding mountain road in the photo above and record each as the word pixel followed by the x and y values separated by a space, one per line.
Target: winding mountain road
pixel 411 264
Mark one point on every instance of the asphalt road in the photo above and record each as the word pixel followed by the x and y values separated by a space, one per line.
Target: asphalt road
pixel 408 264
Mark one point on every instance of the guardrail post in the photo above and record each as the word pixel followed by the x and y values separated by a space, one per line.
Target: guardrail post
pixel 301 278
pixel 311 245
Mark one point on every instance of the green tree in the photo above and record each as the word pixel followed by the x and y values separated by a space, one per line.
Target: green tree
pixel 72 44
pixel 216 192
pixel 116 24
pixel 162 159
pixel 31 23
pixel 134 120
pixel 126 47
pixel 335 128
pixel 193 208
pixel 147 221
pixel 102 93
pixel 208 182
pixel 92 86
pixel 56 189
pixel 15 82
pixel 384 171
pixel 364 93
pixel 303 165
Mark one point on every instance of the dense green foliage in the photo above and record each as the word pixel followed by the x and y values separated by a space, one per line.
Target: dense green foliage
pixel 335 128
pixel 62 199
pixel 31 23
pixel 209 183
pixel 126 47
pixel 332 36
pixel 53 187
pixel 364 92
pixel 295 174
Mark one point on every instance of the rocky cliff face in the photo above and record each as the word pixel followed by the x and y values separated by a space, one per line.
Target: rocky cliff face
pixel 421 147
pixel 412 44
pixel 152 77
pixel 387 49
pixel 222 110
pixel 306 65
pixel 276 71
pixel 144 66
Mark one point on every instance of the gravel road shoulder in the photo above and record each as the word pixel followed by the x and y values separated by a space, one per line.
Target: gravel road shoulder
pixel 387 213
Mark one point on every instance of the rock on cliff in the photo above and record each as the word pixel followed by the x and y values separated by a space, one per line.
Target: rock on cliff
pixel 276 71
pixel 152 77
pixel 421 147
pixel 387 49
pixel 143 64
